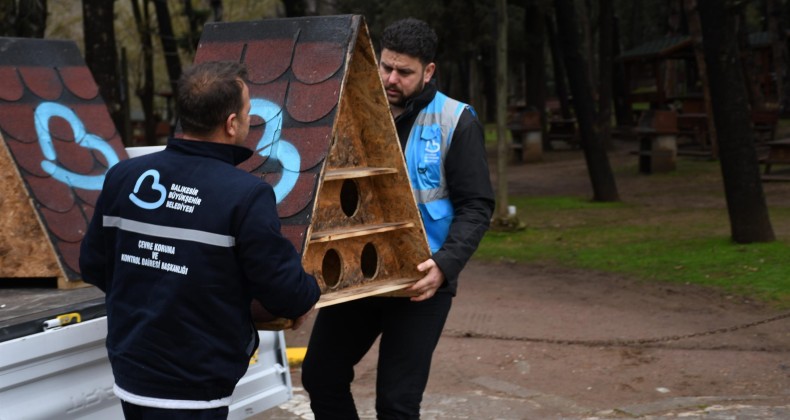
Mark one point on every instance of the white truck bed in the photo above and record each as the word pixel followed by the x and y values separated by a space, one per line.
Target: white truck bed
pixel 64 373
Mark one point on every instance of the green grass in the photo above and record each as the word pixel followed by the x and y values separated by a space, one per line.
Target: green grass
pixel 675 245
pixel 491 136
pixel 685 244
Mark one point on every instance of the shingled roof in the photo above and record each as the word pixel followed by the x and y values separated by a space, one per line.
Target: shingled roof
pixel 57 133
pixel 666 46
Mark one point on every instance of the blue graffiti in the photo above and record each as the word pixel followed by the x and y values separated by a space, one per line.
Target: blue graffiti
pixel 42 115
pixel 271 145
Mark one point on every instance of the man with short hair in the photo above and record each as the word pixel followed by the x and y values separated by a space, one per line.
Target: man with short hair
pixel 181 242
pixel 445 156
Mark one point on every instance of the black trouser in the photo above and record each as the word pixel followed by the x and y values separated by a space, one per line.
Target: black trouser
pixel 137 412
pixel 343 333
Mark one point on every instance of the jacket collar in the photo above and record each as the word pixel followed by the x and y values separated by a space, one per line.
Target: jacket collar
pixel 416 103
pixel 229 153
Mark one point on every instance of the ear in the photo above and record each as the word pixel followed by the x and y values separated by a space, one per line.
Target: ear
pixel 428 73
pixel 230 125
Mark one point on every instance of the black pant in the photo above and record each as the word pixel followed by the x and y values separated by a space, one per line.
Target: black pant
pixel 343 333
pixel 137 412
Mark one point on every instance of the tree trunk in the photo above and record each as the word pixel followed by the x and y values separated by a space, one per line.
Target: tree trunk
pixel 601 176
pixel 692 16
pixel 558 65
pixel 194 34
pixel 23 19
pixel 218 10
pixel 169 45
pixel 785 105
pixel 101 55
pixel 32 19
pixel 622 108
pixel 474 84
pixel 756 97
pixel 489 85
pixel 669 68
pixel 605 59
pixel 295 8
pixel 749 221
pixel 7 17
pixel 776 29
pixel 535 59
pixel 584 20
pixel 501 111
pixel 145 81
pixel 126 126
pixel 675 19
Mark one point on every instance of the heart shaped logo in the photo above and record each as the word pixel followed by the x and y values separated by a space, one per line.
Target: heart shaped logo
pixel 155 185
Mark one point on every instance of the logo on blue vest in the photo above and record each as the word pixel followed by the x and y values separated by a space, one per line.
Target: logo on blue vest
pixel 431 155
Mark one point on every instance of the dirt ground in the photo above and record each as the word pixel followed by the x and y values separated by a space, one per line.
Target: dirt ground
pixel 530 341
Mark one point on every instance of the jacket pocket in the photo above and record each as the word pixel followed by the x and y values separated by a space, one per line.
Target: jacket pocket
pixel 439 209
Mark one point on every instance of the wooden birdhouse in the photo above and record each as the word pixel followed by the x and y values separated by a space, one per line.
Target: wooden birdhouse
pixel 324 138
pixel 56 143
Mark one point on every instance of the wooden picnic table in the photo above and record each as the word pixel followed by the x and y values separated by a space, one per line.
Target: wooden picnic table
pixel 778 153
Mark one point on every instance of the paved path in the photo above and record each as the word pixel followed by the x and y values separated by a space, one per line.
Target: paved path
pixel 547 352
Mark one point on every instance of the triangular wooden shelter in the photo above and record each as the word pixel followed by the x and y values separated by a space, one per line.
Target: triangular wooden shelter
pixel 56 142
pixel 324 137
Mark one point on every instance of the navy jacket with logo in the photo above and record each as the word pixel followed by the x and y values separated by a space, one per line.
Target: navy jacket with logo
pixel 181 241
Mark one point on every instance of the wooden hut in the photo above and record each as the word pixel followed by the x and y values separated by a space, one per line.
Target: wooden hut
pixel 663 75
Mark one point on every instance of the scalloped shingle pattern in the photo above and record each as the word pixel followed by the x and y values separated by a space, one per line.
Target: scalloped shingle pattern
pixel 36 74
pixel 296 68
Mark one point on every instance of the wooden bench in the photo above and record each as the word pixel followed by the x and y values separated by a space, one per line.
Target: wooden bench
pixel 657 133
pixel 527 135
pixel 564 129
pixel 764 125
pixel 778 154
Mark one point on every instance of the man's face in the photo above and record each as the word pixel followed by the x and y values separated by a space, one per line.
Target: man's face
pixel 243 117
pixel 403 76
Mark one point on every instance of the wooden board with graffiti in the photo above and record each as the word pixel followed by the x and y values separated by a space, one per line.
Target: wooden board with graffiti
pixel 57 140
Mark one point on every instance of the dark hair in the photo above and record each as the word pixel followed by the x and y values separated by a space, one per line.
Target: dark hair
pixel 207 93
pixel 412 37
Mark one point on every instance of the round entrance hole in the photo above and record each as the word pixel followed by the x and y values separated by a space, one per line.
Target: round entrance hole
pixel 369 261
pixel 332 268
pixel 349 197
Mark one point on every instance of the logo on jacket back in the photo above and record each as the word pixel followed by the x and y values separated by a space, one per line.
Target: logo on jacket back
pixel 156 186
pixel 179 198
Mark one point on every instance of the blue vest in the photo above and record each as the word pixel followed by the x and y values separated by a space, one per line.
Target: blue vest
pixel 425 152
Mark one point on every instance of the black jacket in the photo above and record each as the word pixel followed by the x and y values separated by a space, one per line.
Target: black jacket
pixel 469 184
pixel 181 241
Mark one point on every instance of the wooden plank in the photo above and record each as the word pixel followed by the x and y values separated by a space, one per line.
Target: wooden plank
pixel 354 231
pixel 25 249
pixel 348 173
pixel 775 178
pixel 392 288
pixel 364 290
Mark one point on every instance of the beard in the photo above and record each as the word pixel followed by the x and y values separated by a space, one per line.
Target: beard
pixel 401 99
